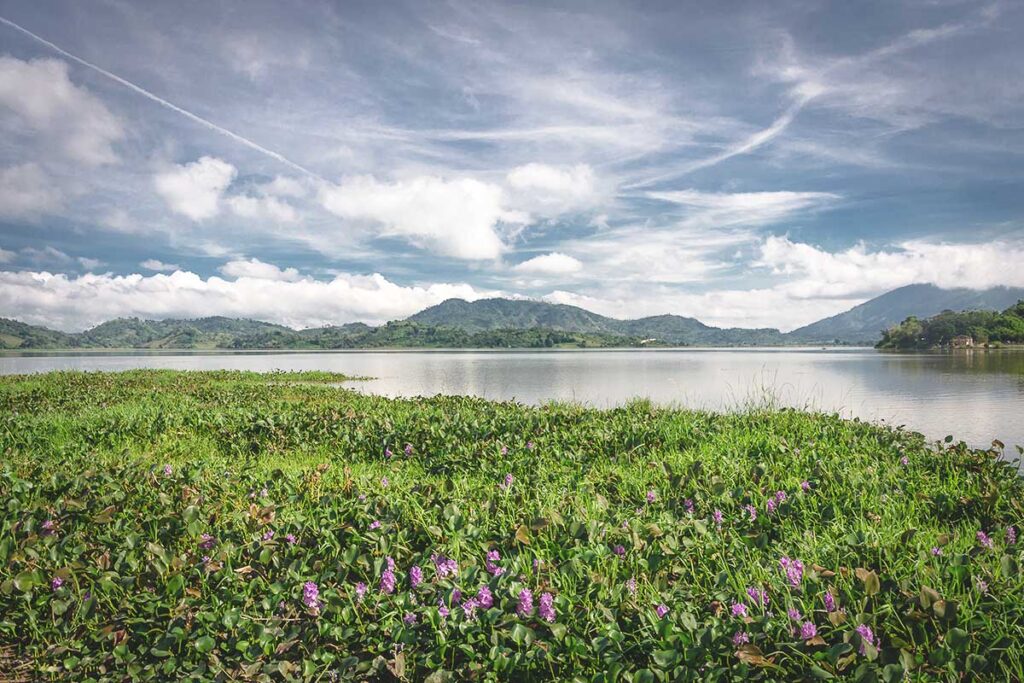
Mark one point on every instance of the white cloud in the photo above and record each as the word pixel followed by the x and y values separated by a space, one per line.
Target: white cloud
pixel 195 189
pixel 27 192
pixel 551 190
pixel 46 254
pixel 7 256
pixel 816 273
pixel 258 270
pixel 721 209
pixel 45 101
pixel 74 303
pixel 458 218
pixel 263 208
pixel 159 266
pixel 554 263
pixel 283 186
pixel 251 55
pixel 89 263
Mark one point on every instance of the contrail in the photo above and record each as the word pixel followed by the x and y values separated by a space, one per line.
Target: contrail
pixel 164 103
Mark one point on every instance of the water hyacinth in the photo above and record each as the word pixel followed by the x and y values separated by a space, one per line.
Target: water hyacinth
pixel 905 461
pixel 524 608
pixel 805 486
pixel 546 611
pixel 619 550
pixel 794 614
pixel 290 539
pixel 442 609
pixel 387 453
pixel 408 449
pixel 409 618
pixel 444 566
pixel 268 535
pixel 651 496
pixel 982 586
pixel 752 511
pixel 506 484
pixel 830 602
pixel 794 570
pixel 206 541
pixel 758 596
pixel 936 550
pixel 770 505
pixel 984 540
pixel 493 557
pixel 56 583
pixel 740 638
pixel 360 591
pixel 384 482
pixel 661 610
pixel 49 527
pixel 484 598
pixel 867 637
pixel 168 470
pixel 311 596
pixel 469 609
pixel 387 581
pixel 717 516
pixel 375 524
pixel 1011 535
pixel 738 609
pixel 631 585
pixel 808 630
pixel 688 505
pixel 415 576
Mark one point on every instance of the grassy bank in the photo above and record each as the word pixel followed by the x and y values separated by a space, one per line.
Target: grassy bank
pixel 235 526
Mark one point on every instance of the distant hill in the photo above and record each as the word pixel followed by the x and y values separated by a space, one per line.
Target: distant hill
pixel 510 323
pixel 493 314
pixel 865 323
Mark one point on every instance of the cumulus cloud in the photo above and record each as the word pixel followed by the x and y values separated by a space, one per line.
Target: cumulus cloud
pixel 75 303
pixel 258 270
pixel 458 218
pixel 194 190
pixel 45 103
pixel 551 190
pixel 858 271
pixel 159 266
pixel 263 208
pixel 554 263
pixel 26 191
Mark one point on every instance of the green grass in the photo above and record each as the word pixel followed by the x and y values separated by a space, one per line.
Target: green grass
pixel 294 454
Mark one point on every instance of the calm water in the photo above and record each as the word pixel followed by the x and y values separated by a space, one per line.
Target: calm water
pixel 974 395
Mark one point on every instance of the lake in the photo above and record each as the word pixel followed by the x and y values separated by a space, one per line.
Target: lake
pixel 974 395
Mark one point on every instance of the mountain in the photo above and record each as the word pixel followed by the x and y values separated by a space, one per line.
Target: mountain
pixel 18 335
pixel 865 323
pixel 495 314
pixel 176 334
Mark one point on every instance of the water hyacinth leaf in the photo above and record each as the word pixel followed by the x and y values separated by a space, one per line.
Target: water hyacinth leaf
pixel 958 639
pixel 665 659
pixel 204 644
pixel 870 579
pixel 1008 566
pixel 820 674
pixel 523 534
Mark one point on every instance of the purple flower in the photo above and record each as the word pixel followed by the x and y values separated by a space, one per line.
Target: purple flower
pixel 492 557
pixel 717 516
pixel 456 596
pixel 1011 535
pixel 758 596
pixel 752 511
pixel 740 638
pixel 866 637
pixel 780 497
pixel 415 576
pixel 49 527
pixel 362 497
pixel 525 607
pixel 983 539
pixel 206 559
pixel 529 445
pixel 290 538
pixel 770 505
pixel 547 607
pixel 409 618
pixel 445 566
pixel 484 598
pixel 375 524
pixel 982 586
pixel 794 570
pixel 267 535
pixel 619 550
pixel 387 581
pixel 168 470
pixel 936 550
pixel 56 583
pixel 805 486
pixel 408 449
pixel 739 609
pixel 504 450
pixel 384 482
pixel 794 614
pixel 206 541
pixel 390 562
pixel 651 496
pixel 311 596
pixel 507 484
pixel 536 564
pixel 688 504
pixel 263 492
pixel 360 591
pixel 442 609
pixel 469 608
pixel 631 585
pixel 387 452
pixel 808 630
pixel 904 461
pixel 830 602
pixel 661 610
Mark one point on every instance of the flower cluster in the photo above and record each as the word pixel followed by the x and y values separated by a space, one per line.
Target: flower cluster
pixel 794 570
pixel 311 597
pixel 444 566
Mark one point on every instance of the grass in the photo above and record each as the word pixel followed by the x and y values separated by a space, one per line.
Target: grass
pixel 164 525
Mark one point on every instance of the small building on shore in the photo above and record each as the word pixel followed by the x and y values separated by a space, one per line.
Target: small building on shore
pixel 962 341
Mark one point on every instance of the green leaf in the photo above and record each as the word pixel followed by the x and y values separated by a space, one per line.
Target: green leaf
pixel 820 674
pixel 205 644
pixel 958 639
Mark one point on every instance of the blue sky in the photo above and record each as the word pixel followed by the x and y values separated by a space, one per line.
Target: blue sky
pixel 747 163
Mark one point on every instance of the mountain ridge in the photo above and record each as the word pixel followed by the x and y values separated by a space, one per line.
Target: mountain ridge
pixel 509 322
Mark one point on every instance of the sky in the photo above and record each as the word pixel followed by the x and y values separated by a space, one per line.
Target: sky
pixel 749 164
